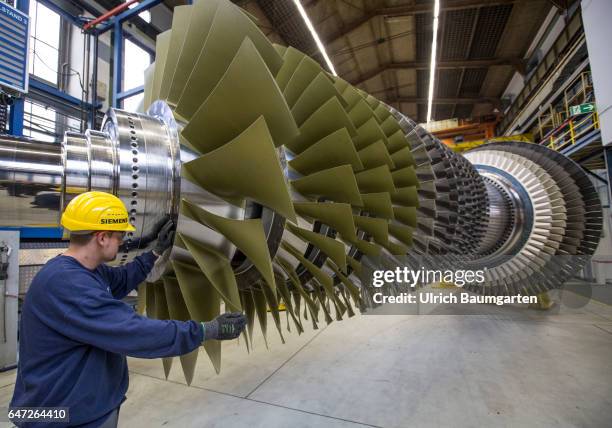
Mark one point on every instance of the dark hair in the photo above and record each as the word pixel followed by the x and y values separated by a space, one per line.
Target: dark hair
pixel 81 239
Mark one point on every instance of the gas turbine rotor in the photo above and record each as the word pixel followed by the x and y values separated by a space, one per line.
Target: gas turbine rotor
pixel 281 178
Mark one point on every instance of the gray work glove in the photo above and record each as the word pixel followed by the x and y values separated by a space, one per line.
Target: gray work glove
pixel 164 238
pixel 225 326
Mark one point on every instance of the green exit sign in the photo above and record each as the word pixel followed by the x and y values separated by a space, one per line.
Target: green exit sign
pixel 582 109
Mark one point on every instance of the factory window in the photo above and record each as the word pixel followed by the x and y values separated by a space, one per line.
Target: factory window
pixel 44 42
pixel 39 122
pixel 136 62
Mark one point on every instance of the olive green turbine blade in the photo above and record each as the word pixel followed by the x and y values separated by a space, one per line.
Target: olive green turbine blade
pixel 280 49
pixel 390 126
pixel 361 113
pixel 237 101
pixel 247 235
pixel 246 297
pixel 378 204
pixel 246 167
pixel 306 72
pixel 333 150
pixel 350 95
pixel 397 142
pixel 352 288
pixel 403 158
pixel 272 302
pixel 148 86
pixel 369 133
pixel 202 15
pixel 150 298
pixel 261 307
pixel 375 180
pixel 316 94
pixel 202 302
pixel 162 45
pixel 218 270
pixel 218 52
pixel 405 177
pixel 378 228
pixel 163 314
pixel 337 184
pixel 336 215
pixel 382 113
pixel 355 265
pixel 321 277
pixel 293 277
pixel 366 247
pixel 291 59
pixel 328 118
pixel 407 196
pixel 335 250
pixel 374 155
pixel 178 311
pixel 406 215
pixel 281 286
pixel 181 18
pixel 401 233
pixel 142 298
pixel 396 249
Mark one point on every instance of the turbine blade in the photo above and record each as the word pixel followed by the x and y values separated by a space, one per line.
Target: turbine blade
pixel 337 184
pixel 335 250
pixel 202 302
pixel 178 311
pixel 334 150
pixel 335 215
pixel 217 53
pixel 328 118
pixel 375 155
pixel 162 313
pixel 181 18
pixel 378 204
pixel 228 111
pixel 247 235
pixel 218 271
pixel 375 180
pixel 260 176
pixel 202 15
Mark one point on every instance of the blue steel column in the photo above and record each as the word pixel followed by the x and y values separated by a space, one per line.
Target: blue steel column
pixel 117 62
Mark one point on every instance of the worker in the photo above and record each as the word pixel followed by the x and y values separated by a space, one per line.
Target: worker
pixel 75 332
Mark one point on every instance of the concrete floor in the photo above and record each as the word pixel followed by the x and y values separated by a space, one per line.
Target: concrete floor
pixel 510 367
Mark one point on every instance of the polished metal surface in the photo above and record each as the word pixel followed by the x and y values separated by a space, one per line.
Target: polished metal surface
pixel 507 207
pixel 30 182
pixel 501 217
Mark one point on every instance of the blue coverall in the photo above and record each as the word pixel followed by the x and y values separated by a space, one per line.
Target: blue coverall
pixel 75 333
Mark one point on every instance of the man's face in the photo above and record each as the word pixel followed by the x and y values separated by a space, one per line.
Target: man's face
pixel 109 243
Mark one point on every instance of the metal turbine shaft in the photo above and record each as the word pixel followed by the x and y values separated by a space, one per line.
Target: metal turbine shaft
pixel 282 178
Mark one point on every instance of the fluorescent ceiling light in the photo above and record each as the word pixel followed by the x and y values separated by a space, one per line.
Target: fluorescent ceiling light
pixel 432 66
pixel 315 36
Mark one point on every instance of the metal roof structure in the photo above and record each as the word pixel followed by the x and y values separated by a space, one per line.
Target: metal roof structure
pixel 384 47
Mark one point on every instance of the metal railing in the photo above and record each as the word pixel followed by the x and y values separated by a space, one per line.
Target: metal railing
pixel 571 131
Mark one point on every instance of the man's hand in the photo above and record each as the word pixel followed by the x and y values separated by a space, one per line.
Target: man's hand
pixel 164 238
pixel 225 326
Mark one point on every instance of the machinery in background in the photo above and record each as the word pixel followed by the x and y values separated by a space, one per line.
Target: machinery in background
pixel 282 177
pixel 9 285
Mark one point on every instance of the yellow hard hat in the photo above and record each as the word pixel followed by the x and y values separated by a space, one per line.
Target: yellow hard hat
pixel 96 211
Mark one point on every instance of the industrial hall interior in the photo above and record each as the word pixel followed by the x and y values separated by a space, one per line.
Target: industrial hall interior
pixel 305 213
